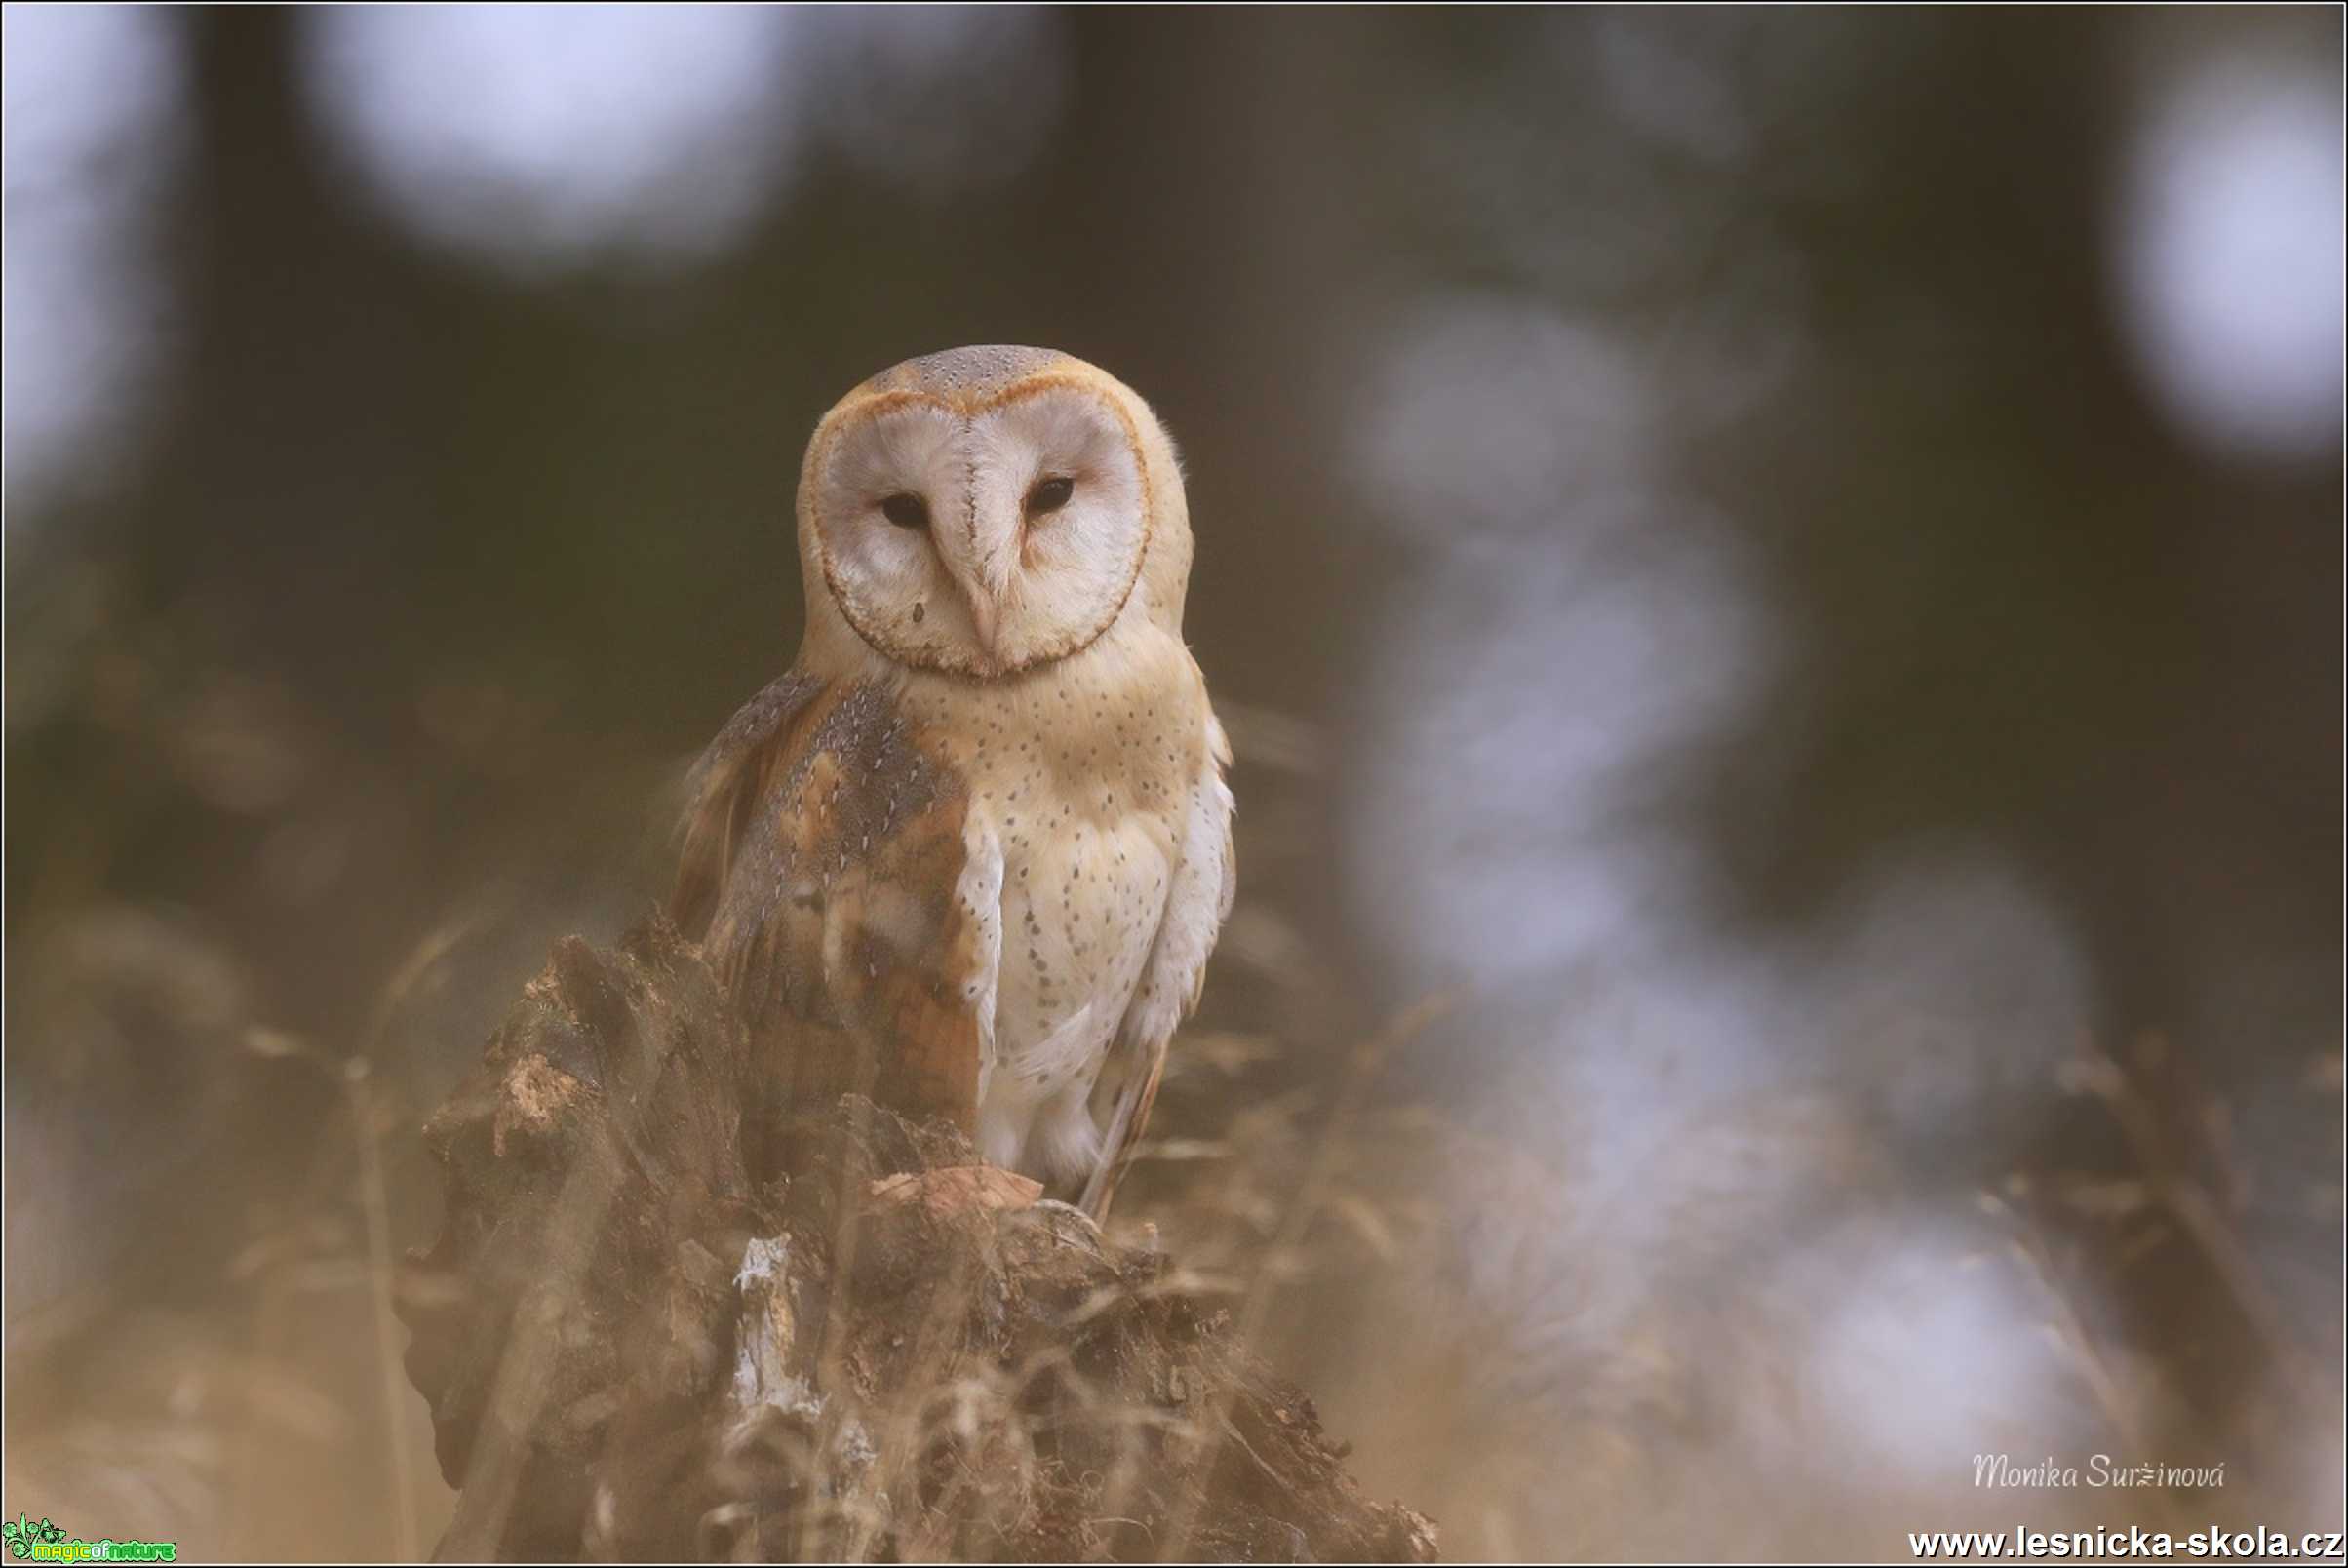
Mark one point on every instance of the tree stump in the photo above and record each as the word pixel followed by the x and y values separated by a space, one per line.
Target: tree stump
pixel 649 1329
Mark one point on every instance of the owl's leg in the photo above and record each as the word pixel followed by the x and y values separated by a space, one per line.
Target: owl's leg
pixel 1064 1144
pixel 1003 1127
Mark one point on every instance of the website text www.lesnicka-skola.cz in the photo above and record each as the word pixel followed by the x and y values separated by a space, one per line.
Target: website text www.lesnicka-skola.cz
pixel 2212 1545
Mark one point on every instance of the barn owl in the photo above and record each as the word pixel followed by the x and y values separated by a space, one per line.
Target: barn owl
pixel 970 855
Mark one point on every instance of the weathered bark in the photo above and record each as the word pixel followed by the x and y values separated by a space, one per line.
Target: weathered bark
pixel 637 1344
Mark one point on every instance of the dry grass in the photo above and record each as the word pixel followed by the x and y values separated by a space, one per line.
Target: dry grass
pixel 1449 1289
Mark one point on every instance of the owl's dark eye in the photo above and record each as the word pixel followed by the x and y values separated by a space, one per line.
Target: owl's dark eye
pixel 905 510
pixel 1049 495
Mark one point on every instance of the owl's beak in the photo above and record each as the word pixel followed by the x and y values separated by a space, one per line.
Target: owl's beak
pixel 984 618
pixel 983 568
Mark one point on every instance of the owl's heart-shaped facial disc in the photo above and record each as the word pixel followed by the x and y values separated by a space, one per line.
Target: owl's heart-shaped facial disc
pixel 980 536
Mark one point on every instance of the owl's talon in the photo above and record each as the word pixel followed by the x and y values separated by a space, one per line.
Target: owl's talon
pixel 1053 1206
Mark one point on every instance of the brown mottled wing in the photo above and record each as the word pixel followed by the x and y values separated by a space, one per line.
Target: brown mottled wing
pixel 822 852
pixel 725 784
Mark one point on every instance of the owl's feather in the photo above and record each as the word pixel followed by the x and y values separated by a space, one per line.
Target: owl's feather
pixel 823 853
pixel 722 790
pixel 864 875
pixel 1199 901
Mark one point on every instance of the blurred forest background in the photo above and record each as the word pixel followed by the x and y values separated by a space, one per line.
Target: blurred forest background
pixel 1785 565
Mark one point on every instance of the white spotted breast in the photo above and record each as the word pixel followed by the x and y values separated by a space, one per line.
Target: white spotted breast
pixel 1080 782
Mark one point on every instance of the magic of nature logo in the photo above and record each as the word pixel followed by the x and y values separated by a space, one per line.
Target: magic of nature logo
pixel 42 1541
